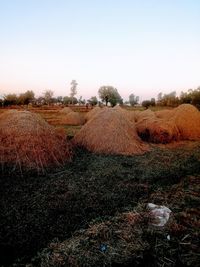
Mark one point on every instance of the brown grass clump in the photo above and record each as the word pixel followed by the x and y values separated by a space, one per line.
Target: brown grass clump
pixel 65 110
pixel 92 113
pixel 187 120
pixel 27 142
pixel 72 118
pixel 110 133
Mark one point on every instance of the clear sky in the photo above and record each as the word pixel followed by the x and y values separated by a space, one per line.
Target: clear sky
pixel 141 47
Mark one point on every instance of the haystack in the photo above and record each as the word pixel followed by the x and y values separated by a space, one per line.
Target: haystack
pixel 92 113
pixel 187 120
pixel 66 110
pixel 157 130
pixel 27 142
pixel 110 133
pixel 72 118
pixel 128 113
pixel 164 114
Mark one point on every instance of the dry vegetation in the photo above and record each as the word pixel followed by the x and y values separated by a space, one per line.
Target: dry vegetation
pixel 27 142
pixel 92 210
pixel 110 132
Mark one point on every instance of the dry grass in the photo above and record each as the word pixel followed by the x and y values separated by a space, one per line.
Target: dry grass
pixel 92 113
pixel 27 142
pixel 65 110
pixel 72 118
pixel 115 241
pixel 110 133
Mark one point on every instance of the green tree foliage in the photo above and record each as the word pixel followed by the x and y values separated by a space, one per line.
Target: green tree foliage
pixel 93 101
pixel 191 97
pixel 153 102
pixel 10 99
pixel 69 100
pixel 168 99
pixel 26 98
pixel 48 96
pixel 146 103
pixel 109 94
pixel 133 100
pixel 73 90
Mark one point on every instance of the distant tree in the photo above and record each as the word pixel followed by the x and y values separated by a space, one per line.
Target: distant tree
pixel 153 102
pixel 69 100
pixel 48 95
pixel 26 98
pixel 10 99
pixel 109 94
pixel 146 103
pixel 93 101
pixel 81 101
pixel 73 90
pixel 59 99
pixel 133 100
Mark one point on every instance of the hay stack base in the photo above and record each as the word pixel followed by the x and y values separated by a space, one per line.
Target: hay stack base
pixel 27 143
pixel 110 132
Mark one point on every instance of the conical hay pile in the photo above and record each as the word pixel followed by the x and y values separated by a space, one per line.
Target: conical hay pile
pixel 72 118
pixel 66 110
pixel 92 113
pixel 187 120
pixel 157 130
pixel 27 142
pixel 129 114
pixel 110 133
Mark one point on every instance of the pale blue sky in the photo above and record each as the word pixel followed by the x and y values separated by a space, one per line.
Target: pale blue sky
pixel 140 47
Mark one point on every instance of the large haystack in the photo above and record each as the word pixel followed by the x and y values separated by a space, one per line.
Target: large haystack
pixel 72 118
pixel 92 113
pixel 27 142
pixel 110 133
pixel 66 110
pixel 187 120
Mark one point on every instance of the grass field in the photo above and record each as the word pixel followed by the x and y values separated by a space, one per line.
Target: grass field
pixel 35 210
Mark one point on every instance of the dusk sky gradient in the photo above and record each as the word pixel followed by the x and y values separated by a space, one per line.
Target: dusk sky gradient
pixel 142 47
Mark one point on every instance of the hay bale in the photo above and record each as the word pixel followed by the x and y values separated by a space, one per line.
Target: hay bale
pixel 156 130
pixel 110 133
pixel 92 113
pixel 27 142
pixel 65 110
pixel 72 118
pixel 187 120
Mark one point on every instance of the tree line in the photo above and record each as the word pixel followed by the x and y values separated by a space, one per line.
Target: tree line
pixel 107 95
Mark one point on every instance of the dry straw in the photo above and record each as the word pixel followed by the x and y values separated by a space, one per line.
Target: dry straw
pixel 110 132
pixel 92 113
pixel 27 142
pixel 181 123
pixel 72 118
pixel 65 110
pixel 187 120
